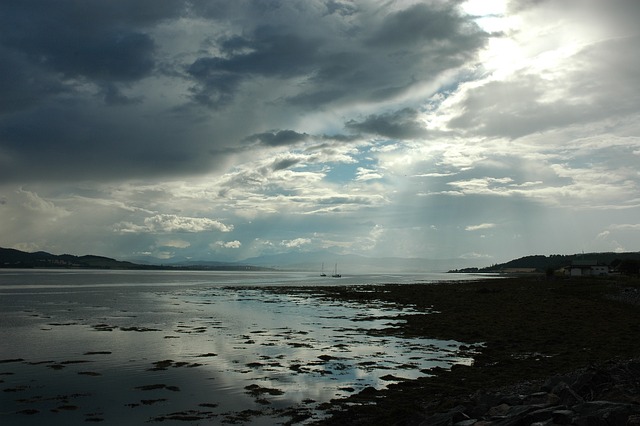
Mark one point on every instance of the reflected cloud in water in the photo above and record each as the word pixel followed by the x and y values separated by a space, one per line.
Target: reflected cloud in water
pixel 192 351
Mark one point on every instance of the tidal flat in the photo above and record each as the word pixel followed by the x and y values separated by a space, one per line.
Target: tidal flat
pixel 199 353
pixel 531 329
pixel 127 348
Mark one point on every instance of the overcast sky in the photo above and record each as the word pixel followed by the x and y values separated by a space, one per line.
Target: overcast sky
pixel 222 130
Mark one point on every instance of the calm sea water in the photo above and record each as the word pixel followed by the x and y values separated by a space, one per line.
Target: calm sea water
pixel 128 347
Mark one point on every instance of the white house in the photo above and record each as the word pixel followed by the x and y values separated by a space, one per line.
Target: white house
pixel 581 268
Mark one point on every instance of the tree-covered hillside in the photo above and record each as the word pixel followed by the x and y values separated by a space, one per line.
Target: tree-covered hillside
pixel 623 262
pixel 11 258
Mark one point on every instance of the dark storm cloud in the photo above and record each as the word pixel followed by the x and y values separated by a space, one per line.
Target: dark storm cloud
pixel 113 96
pixel 45 46
pixel 84 91
pixel 340 7
pixel 401 124
pixel 279 138
pixel 268 52
pixel 372 57
pixel 285 164
pixel 112 55
pixel 226 9
pixel 418 24
pixel 22 85
pixel 91 39
pixel 55 57
pixel 48 143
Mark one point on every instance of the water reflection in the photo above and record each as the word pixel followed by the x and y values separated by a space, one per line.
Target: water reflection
pixel 133 354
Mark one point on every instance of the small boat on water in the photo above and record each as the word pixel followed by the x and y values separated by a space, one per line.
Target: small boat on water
pixel 335 272
pixel 322 274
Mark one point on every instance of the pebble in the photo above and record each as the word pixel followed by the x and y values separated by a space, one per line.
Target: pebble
pixel 607 395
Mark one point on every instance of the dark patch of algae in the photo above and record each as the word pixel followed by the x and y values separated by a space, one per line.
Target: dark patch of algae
pixel 531 328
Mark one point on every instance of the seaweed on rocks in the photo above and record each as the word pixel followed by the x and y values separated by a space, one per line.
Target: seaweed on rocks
pixel 523 331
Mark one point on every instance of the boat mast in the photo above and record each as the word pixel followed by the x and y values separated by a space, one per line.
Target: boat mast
pixel 335 272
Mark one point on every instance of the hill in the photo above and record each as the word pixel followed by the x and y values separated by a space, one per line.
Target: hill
pixel 301 261
pixel 11 258
pixel 627 262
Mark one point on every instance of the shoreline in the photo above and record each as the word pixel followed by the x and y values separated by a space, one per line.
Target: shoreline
pixel 85 348
pixel 519 332
pixel 530 329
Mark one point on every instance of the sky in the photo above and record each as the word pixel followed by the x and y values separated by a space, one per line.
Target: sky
pixel 228 129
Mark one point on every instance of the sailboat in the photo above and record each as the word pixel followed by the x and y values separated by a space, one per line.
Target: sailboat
pixel 322 274
pixel 335 272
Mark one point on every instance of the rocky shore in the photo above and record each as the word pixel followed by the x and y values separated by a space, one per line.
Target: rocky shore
pixel 549 352
pixel 607 395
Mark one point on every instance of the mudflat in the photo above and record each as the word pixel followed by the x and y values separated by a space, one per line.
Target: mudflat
pixel 362 354
pixel 525 329
pixel 138 347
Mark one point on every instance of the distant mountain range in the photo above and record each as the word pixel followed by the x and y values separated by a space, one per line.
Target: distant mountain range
pixel 299 261
pixel 11 258
pixel 310 261
pixel 313 261
pixel 540 263
pixel 354 264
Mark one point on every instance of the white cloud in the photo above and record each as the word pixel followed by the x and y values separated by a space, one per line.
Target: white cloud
pixel 480 226
pixel 363 174
pixel 38 205
pixel 168 223
pixel 164 255
pixel 607 240
pixel 370 241
pixel 295 243
pixel 474 255
pixel 228 244
pixel 181 244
